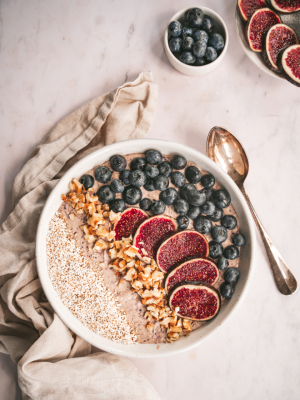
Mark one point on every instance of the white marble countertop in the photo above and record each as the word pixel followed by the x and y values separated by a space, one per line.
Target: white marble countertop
pixel 57 54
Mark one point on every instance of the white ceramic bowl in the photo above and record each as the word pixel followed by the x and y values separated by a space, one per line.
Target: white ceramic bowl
pixel 247 257
pixel 219 27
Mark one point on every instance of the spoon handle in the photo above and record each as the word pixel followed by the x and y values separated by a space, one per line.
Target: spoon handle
pixel 284 279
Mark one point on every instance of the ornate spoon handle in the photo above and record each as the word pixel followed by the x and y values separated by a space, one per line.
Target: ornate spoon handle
pixel 284 279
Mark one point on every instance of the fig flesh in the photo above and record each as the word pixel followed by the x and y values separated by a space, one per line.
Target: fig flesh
pixel 151 233
pixel 289 64
pixel 196 270
pixel 279 37
pixel 258 25
pixel 286 6
pixel 248 7
pixel 129 221
pixel 194 301
pixel 181 247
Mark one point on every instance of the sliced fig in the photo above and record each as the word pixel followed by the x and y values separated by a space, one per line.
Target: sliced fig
pixel 279 36
pixel 286 6
pixel 258 25
pixel 181 247
pixel 196 270
pixel 151 233
pixel 130 220
pixel 198 302
pixel 248 7
pixel 289 64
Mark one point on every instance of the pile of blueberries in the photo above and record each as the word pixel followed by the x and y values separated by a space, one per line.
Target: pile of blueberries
pixel 194 42
pixel 202 206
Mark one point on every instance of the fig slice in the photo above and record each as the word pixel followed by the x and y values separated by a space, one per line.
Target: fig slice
pixel 198 302
pixel 258 25
pixel 129 221
pixel 248 7
pixel 181 247
pixel 196 270
pixel 151 233
pixel 279 37
pixel 286 6
pixel 289 64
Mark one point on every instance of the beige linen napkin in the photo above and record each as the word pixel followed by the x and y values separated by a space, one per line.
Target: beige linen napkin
pixel 54 363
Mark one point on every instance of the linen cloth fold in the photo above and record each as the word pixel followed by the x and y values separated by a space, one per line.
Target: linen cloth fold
pixel 53 362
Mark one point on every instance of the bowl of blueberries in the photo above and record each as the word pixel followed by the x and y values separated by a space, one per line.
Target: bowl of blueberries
pixel 196 41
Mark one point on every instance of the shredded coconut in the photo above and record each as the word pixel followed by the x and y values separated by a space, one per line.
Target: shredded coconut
pixel 81 286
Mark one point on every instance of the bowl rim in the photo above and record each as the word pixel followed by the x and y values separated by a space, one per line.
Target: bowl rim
pixel 65 314
pixel 226 39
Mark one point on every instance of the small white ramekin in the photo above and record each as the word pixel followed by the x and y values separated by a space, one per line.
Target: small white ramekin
pixel 219 27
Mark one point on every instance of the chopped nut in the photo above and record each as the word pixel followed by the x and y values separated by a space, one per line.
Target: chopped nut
pixel 132 251
pixel 150 327
pixel 113 253
pixel 186 325
pixel 131 274
pixel 72 216
pixel 113 217
pixel 90 238
pixel 100 245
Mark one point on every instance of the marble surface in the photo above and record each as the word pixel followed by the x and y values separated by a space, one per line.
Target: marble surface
pixel 57 54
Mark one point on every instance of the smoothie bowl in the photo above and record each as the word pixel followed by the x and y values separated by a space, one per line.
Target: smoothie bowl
pixel 145 253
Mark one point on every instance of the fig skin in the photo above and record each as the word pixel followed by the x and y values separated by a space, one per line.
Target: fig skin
pixel 281 69
pixel 194 283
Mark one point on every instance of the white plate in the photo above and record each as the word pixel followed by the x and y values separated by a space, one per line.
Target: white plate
pixel 292 20
pixel 247 258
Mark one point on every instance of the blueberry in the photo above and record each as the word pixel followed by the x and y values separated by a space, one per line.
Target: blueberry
pixel 238 239
pixel 193 212
pixel 231 252
pixel 186 31
pixel 226 290
pixel 132 195
pixel 153 157
pixel 151 171
pixel 216 41
pixel 215 249
pixel 149 186
pixel 124 176
pixel 196 198
pixel 175 28
pixel 211 54
pixel 117 186
pixel 178 179
pixel 165 169
pixel 178 162
pixel 118 163
pixel 219 234
pixel 193 174
pixel 202 224
pixel 185 189
pixel 194 17
pixel 138 163
pixel 161 183
pixel 87 181
pixel 145 204
pixel 232 275
pixel 217 215
pixel 187 43
pixel 208 181
pixel 137 178
pixel 187 58
pixel 158 207
pixel 181 206
pixel 221 198
pixel 229 221
pixel 208 208
pixel 105 194
pixel 222 263
pixel 199 48
pixel 103 174
pixel 200 36
pixel 175 45
pixel 199 61
pixel 207 23
pixel 208 193
pixel 117 205
pixel 182 221
pixel 169 196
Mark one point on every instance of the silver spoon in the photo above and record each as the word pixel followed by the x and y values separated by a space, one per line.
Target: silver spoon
pixel 226 151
